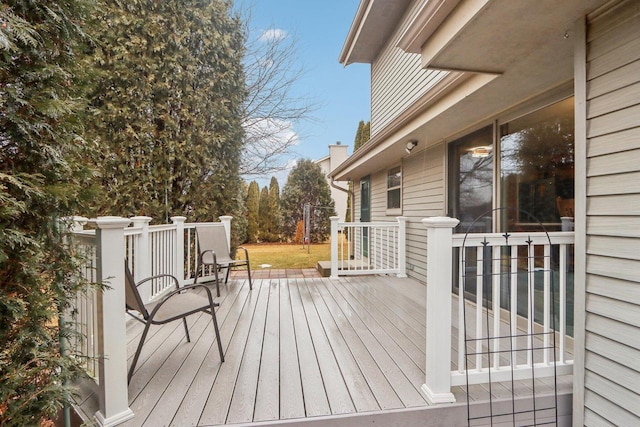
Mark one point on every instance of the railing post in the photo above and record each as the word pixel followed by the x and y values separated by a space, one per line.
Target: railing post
pixel 142 255
pixel 226 221
pixel 179 261
pixel 437 386
pixel 402 246
pixel 78 223
pixel 114 395
pixel 334 246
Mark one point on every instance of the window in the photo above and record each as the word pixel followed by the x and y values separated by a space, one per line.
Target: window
pixel 537 168
pixel 471 181
pixel 524 167
pixel 534 157
pixel 394 189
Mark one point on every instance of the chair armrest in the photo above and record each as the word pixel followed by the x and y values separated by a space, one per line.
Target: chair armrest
pixel 215 260
pixel 157 276
pixel 246 253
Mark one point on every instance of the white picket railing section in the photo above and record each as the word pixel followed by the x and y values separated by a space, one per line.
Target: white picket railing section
pixel 519 331
pixel 519 268
pixel 83 316
pixel 368 247
pixel 99 317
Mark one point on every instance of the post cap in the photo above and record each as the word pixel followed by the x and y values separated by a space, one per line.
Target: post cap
pixel 440 222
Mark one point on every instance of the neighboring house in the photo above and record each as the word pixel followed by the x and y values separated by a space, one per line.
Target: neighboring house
pixel 337 155
pixel 532 105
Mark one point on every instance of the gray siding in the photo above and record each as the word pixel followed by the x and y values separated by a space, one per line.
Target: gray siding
pixel 612 327
pixel 422 196
pixel 397 78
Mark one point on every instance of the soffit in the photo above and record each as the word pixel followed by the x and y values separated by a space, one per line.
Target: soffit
pixel 372 27
pixel 500 32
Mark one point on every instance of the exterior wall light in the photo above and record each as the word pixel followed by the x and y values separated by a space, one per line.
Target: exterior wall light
pixel 411 145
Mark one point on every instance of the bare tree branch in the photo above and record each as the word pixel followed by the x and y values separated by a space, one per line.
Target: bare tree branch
pixel 272 113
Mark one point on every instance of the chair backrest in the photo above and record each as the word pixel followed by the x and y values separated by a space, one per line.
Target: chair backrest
pixel 132 296
pixel 213 238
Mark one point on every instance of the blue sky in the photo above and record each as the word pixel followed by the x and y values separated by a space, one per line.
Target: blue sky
pixel 342 93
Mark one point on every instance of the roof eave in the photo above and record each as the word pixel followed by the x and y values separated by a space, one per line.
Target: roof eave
pixel 372 25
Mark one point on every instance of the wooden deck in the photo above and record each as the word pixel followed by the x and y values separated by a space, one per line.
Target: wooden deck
pixel 334 351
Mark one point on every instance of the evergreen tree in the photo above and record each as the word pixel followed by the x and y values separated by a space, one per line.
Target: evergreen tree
pixel 240 221
pixel 43 176
pixel 253 208
pixel 275 217
pixel 366 134
pixel 358 139
pixel 167 107
pixel 263 216
pixel 306 184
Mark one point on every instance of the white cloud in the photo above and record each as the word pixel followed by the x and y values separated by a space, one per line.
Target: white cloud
pixel 272 34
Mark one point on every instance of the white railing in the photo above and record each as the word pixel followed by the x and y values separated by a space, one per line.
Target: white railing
pixel 512 319
pixel 99 317
pixel 83 315
pixel 368 247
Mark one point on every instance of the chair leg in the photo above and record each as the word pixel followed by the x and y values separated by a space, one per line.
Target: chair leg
pixel 215 271
pixel 226 279
pixel 195 273
pixel 137 355
pixel 217 331
pixel 186 328
pixel 249 273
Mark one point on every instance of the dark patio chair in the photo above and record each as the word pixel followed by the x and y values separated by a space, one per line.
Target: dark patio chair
pixel 176 305
pixel 214 251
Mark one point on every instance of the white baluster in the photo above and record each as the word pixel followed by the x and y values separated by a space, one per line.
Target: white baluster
pixel 334 246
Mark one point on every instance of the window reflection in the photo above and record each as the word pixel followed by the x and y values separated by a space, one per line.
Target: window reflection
pixel 471 179
pixel 537 168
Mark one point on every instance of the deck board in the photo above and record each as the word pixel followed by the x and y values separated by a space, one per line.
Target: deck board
pixel 244 393
pixel 267 404
pixel 337 393
pixel 412 348
pixel 291 396
pixel 316 402
pixel 191 407
pixel 237 328
pixel 387 341
pixel 361 374
pixel 296 349
pixel 409 395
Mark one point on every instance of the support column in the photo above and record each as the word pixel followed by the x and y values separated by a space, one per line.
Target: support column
pixel 437 386
pixel 114 392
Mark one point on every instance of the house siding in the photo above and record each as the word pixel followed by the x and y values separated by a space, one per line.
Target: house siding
pixel 397 78
pixel 423 192
pixel 612 299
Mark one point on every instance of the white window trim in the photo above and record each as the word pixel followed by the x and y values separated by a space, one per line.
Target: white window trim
pixel 393 211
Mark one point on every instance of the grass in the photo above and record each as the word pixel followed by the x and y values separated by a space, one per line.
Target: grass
pixel 281 255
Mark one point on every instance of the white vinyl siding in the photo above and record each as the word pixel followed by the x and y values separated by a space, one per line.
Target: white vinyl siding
pixel 612 327
pixel 397 78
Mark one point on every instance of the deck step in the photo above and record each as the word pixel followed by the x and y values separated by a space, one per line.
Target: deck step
pixel 324 268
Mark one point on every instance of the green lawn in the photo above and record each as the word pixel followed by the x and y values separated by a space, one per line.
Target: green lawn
pixel 280 255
